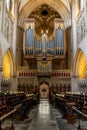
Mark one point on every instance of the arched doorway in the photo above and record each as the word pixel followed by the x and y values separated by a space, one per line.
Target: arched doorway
pixel 44 90
pixel 80 65
pixel 7 65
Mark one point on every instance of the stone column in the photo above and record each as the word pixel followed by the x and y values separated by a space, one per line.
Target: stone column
pixel 14 83
pixel 74 34
pixel 74 83
pixel 14 46
pixel 0 77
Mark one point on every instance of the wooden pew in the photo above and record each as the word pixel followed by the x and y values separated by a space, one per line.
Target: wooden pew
pixel 70 114
pixel 6 128
pixel 7 115
pixel 21 112
pixel 82 114
pixel 3 109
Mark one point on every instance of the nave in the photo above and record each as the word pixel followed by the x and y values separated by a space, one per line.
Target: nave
pixel 44 116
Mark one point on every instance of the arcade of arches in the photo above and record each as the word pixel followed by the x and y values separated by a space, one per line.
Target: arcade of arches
pixel 43 47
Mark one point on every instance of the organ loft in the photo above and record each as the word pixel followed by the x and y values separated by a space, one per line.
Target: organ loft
pixel 43 55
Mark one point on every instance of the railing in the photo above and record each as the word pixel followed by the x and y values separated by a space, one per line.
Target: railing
pixel 62 74
pixel 81 113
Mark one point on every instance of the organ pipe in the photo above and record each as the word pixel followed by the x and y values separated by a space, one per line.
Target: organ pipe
pixel 59 41
pixel 54 47
pixel 29 41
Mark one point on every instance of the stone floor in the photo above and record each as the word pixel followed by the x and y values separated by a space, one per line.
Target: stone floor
pixel 44 117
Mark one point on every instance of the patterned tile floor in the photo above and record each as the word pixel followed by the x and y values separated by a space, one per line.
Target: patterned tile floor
pixel 44 117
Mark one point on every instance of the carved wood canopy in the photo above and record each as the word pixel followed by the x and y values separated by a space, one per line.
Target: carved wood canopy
pixel 44 19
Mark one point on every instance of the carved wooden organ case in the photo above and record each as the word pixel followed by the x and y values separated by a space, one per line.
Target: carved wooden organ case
pixel 44 48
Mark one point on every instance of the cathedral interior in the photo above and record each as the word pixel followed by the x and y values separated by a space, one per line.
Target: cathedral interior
pixel 43 57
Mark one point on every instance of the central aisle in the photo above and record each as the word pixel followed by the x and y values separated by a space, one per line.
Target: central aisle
pixel 43 117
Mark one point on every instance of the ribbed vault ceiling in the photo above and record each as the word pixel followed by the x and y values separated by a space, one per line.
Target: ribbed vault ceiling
pixel 44 19
pixel 65 2
pixel 62 7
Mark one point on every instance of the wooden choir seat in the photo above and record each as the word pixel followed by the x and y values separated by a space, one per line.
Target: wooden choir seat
pixel 70 114
pixel 83 128
pixel 84 109
pixel 3 110
pixel 7 128
pixel 20 114
pixel 8 108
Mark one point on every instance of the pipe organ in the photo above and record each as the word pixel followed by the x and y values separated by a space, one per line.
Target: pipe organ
pixel 44 44
pixel 44 67
pixel 59 41
pixel 37 47
pixel 29 41
pixel 55 46
pixel 28 45
pixel 51 47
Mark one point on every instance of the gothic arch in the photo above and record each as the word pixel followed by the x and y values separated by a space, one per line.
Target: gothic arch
pixel 44 89
pixel 65 2
pixel 33 4
pixel 9 67
pixel 13 61
pixel 80 64
pixel 45 81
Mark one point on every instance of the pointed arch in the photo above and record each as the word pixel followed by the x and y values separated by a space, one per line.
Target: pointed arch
pixel 44 89
pixel 31 5
pixel 80 64
pixel 9 67
pixel 65 2
pixel 13 60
